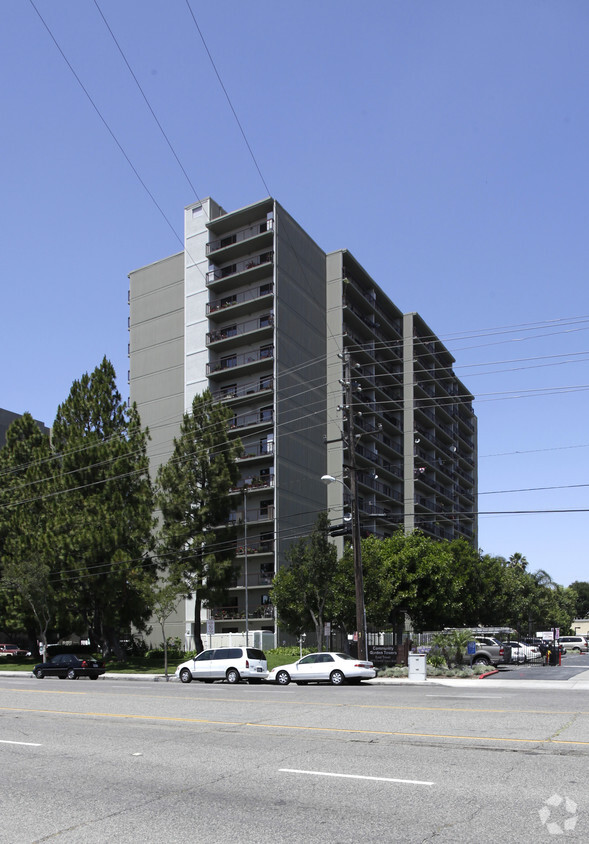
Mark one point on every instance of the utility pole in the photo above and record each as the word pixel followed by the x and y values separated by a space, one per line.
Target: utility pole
pixel 350 441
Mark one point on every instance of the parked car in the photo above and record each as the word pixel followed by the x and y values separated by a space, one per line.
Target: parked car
pixel 13 650
pixel 490 651
pixel 334 668
pixel 230 664
pixel 520 652
pixel 70 666
pixel 574 643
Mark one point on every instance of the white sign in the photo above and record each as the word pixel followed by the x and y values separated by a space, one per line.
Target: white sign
pixel 210 626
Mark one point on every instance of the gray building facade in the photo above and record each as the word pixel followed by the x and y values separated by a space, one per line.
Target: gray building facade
pixel 257 312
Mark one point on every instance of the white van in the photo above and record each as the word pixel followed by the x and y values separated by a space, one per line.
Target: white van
pixel 574 643
pixel 230 664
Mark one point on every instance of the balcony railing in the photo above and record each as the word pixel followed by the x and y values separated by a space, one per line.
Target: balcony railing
pixel 261 449
pixel 240 266
pixel 234 361
pixel 239 236
pixel 257 418
pixel 239 329
pixel 234 613
pixel 257 548
pixel 234 392
pixel 240 298
pixel 254 482
pixel 259 514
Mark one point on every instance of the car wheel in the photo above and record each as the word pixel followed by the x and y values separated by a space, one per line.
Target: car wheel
pixel 71 675
pixel 185 676
pixel 232 675
pixel 577 650
pixel 283 678
pixel 336 678
pixel 38 673
pixel 480 660
pixel 94 676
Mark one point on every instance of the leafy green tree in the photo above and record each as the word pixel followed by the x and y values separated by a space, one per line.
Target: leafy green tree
pixel 193 494
pixel 104 524
pixel 163 598
pixel 28 597
pixel 303 590
pixel 581 587
pixel 407 574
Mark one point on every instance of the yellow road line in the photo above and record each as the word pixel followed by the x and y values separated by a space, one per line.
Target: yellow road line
pixel 320 705
pixel 418 735
pixel 347 731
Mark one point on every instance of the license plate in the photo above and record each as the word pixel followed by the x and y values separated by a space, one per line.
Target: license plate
pixel 259 669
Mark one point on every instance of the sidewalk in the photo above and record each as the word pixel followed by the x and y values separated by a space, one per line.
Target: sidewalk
pixel 580 682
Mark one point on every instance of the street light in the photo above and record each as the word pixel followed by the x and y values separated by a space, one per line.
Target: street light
pixel 247 629
pixel 358 575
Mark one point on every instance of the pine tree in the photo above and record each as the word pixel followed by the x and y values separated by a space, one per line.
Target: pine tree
pixel 105 524
pixel 28 598
pixel 193 496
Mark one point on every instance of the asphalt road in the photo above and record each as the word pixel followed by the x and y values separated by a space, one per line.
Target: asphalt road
pixel 151 762
pixel 572 665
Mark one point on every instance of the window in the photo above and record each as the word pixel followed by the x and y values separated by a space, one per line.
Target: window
pixel 228 331
pixel 266 351
pixel 228 362
pixel 265 505
pixel 197 211
pixel 203 656
pixel 265 414
pixel 266 575
pixel 227 653
pixel 266 320
pixel 265 289
pixel 266 382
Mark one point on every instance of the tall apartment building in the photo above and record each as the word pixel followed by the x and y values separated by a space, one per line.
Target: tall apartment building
pixel 308 352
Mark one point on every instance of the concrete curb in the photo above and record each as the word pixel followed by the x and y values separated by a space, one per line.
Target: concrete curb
pixel 578 683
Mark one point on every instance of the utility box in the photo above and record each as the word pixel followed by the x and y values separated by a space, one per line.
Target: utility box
pixel 417 666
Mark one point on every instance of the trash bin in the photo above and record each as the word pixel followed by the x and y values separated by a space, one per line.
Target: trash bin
pixel 417 666
pixel 553 656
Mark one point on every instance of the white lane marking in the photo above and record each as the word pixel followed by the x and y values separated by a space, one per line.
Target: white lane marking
pixel 24 743
pixel 471 697
pixel 351 776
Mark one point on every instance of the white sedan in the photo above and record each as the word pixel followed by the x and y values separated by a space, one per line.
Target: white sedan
pixel 524 653
pixel 334 668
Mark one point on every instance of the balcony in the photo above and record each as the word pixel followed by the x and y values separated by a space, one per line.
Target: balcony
pixel 232 333
pixel 254 482
pixel 217 275
pixel 243 302
pixel 238 237
pixel 255 356
pixel 232 391
pixel 264 448
pixel 265 416
pixel 256 548
pixel 234 613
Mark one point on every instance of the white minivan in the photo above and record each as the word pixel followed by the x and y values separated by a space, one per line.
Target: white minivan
pixel 230 664
pixel 574 643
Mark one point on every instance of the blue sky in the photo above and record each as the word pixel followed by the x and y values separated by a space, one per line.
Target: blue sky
pixel 444 144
